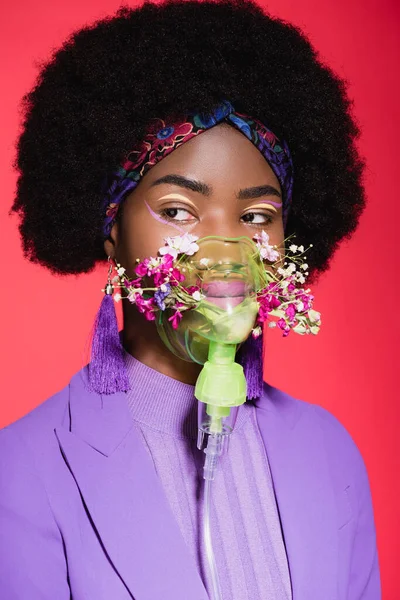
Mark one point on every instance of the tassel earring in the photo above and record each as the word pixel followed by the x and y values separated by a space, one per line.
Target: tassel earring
pixel 107 371
pixel 251 357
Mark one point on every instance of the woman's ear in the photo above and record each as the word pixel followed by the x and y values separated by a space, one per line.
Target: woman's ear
pixel 111 243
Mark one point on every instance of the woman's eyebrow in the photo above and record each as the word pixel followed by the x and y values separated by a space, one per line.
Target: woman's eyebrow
pixel 206 190
pixel 189 184
pixel 258 192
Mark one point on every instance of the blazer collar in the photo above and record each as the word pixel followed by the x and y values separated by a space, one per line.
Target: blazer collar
pixel 124 496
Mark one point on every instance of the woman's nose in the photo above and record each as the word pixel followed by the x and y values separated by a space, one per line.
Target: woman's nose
pixel 220 225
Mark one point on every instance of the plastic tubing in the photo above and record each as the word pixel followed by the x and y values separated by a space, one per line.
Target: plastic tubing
pixel 212 451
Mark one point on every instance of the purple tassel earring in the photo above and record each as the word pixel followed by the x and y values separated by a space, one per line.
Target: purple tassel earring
pixel 107 371
pixel 250 356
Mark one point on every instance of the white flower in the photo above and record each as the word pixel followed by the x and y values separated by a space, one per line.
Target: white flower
pixel 272 324
pixel 197 295
pixel 180 244
pixel 314 316
pixel 282 271
pixel 154 262
pixel 121 271
pixel 300 248
pixel 293 248
pixel 291 268
pixel 115 279
pixel 163 287
pixel 117 297
pixel 188 244
pixel 300 306
pixel 268 253
pixel 204 262
pixel 168 250
pixel 304 267
pixel 300 278
pixel 257 331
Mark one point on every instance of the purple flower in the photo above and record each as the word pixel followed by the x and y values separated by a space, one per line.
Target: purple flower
pixel 161 294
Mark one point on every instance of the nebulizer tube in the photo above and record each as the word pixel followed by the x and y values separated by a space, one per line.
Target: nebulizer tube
pixel 220 381
pixel 228 272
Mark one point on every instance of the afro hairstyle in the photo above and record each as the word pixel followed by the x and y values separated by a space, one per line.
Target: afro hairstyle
pixel 94 97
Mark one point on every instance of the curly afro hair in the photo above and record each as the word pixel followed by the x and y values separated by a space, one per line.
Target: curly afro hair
pixel 94 97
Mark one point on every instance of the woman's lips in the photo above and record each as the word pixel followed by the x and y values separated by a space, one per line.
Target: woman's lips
pixel 225 293
pixel 223 289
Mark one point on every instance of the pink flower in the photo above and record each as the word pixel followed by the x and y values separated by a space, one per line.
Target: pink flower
pixel 146 306
pixel 142 268
pixel 159 278
pixel 176 276
pixel 267 302
pixel 176 318
pixel 267 252
pixel 291 312
pixel 167 261
pixel 133 282
pixel 191 289
pixel 283 325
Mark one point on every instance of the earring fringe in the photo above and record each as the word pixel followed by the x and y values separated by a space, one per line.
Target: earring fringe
pixel 107 371
pixel 250 356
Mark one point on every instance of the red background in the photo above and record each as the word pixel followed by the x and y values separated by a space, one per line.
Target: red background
pixel 349 368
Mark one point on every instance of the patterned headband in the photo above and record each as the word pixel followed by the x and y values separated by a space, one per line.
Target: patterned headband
pixel 163 137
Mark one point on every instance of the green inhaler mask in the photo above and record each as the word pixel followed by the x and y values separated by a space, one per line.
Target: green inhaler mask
pixel 228 273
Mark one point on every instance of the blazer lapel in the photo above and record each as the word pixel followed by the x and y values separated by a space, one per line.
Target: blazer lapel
pixel 305 498
pixel 124 497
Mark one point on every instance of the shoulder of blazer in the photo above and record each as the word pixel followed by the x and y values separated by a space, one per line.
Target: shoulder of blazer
pixel 46 416
pixel 343 453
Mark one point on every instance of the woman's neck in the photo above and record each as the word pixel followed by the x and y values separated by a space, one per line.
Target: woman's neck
pixel 142 341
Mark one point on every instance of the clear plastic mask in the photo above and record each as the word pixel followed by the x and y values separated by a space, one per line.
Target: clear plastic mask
pixel 229 272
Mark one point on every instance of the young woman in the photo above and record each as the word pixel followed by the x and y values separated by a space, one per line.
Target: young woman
pixel 181 119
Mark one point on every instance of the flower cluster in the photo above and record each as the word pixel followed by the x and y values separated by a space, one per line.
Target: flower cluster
pixel 158 285
pixel 282 297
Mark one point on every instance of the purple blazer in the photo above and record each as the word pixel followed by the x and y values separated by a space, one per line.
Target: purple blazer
pixel 83 514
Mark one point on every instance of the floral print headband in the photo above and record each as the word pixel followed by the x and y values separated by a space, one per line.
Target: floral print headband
pixel 163 137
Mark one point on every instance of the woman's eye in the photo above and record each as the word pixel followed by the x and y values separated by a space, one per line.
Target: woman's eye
pixel 257 218
pixel 177 214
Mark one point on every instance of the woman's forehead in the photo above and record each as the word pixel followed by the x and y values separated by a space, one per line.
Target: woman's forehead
pixel 220 155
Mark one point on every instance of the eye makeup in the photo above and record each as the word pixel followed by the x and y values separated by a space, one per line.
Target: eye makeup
pixel 263 204
pixel 175 196
pixel 268 204
pixel 164 221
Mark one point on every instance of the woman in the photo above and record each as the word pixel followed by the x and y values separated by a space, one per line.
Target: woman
pixel 140 128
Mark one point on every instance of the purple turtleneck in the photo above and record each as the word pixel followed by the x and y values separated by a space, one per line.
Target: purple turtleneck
pixel 246 532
